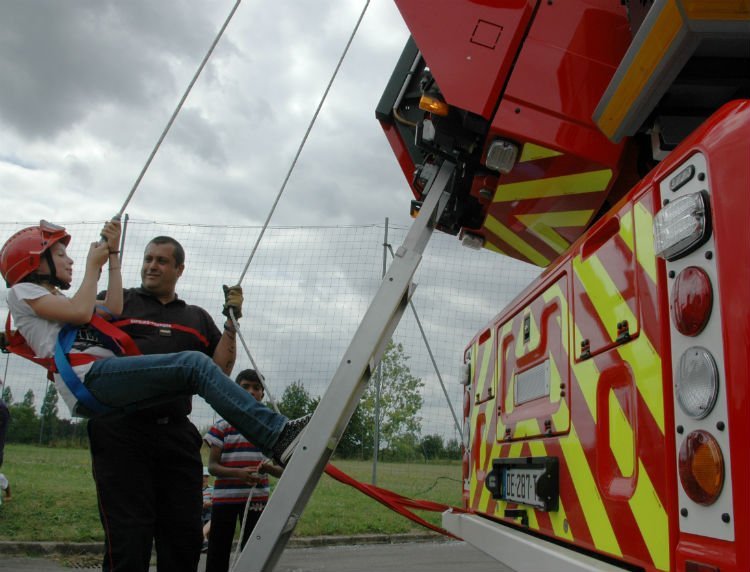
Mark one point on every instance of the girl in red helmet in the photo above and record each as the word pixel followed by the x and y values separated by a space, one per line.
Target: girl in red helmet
pixel 87 373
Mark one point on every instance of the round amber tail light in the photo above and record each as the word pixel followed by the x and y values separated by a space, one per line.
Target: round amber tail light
pixel 701 467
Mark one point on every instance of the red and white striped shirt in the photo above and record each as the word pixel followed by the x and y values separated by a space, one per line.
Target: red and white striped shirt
pixel 237 452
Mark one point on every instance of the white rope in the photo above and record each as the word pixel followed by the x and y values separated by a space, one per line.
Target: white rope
pixel 238 548
pixel 283 187
pixel 177 110
pixel 304 140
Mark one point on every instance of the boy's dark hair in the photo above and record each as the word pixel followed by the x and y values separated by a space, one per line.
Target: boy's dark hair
pixel 248 375
pixel 179 252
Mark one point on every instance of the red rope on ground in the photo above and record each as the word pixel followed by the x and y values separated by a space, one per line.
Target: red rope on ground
pixel 395 501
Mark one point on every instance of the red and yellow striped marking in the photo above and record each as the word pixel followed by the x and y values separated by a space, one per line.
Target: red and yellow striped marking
pixel 633 523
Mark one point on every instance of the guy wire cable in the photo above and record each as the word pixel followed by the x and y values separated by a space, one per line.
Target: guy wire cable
pixel 304 140
pixel 283 187
pixel 176 111
pixel 432 357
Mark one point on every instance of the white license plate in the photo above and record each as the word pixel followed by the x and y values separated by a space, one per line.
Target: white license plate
pixel 519 485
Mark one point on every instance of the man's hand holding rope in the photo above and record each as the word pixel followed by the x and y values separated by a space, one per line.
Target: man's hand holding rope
pixel 233 300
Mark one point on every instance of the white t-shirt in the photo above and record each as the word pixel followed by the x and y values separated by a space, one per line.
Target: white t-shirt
pixel 41 335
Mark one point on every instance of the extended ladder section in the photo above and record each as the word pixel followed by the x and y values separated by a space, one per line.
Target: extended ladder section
pixel 332 415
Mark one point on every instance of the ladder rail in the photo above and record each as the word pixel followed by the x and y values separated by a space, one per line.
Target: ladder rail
pixel 328 423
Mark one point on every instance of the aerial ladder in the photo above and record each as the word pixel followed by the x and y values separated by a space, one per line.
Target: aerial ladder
pixel 337 405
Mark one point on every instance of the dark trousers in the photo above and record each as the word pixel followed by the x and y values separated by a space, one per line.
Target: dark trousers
pixel 224 518
pixel 149 481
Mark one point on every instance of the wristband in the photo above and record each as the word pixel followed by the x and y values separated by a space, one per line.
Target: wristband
pixel 114 252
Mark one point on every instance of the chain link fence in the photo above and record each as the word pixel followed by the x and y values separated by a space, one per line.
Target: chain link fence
pixel 306 291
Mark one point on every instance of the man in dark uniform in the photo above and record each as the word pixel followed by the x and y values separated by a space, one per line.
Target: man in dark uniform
pixel 147 464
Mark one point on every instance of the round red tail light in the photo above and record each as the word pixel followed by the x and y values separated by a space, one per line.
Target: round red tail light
pixel 701 467
pixel 692 298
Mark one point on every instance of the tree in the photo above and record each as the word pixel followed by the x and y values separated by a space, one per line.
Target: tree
pixel 48 414
pixel 357 440
pixel 453 449
pixel 7 395
pixel 25 426
pixel 400 402
pixel 28 398
pixel 432 447
pixel 296 401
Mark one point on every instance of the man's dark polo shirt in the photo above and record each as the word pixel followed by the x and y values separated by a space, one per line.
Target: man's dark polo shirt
pixel 138 304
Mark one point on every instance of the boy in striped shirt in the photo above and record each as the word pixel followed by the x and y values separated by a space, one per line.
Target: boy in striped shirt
pixel 241 470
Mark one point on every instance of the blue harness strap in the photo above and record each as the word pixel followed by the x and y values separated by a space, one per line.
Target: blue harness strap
pixel 64 343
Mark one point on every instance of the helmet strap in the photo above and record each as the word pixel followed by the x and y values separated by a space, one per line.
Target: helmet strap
pixel 52 278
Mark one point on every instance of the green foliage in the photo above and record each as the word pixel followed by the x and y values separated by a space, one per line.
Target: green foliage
pixel 24 422
pixel 7 395
pixel 54 498
pixel 296 401
pixel 453 449
pixel 26 426
pixel 400 402
pixel 432 447
pixel 48 415
pixel 28 398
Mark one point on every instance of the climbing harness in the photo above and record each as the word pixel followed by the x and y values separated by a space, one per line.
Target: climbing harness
pixel 63 361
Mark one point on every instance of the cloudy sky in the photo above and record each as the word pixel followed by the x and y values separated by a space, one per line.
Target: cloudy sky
pixel 89 85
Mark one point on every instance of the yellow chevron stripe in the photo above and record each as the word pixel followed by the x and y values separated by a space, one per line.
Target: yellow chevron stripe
pixel 646 365
pixel 626 229
pixel 543 225
pixel 621 438
pixel 554 382
pixel 533 152
pixel 558 517
pixel 489 246
pixel 648 511
pixel 485 379
pixel 644 233
pixel 504 233
pixel 604 294
pixel 591 502
pixel 585 372
pixel 575 184
pixel 587 375
pixel 640 353
pixel 651 518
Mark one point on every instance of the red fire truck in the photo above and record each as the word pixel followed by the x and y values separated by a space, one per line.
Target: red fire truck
pixel 607 141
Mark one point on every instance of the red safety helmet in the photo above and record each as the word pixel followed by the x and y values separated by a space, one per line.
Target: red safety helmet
pixel 22 253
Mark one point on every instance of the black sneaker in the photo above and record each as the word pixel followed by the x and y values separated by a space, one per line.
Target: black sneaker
pixel 290 436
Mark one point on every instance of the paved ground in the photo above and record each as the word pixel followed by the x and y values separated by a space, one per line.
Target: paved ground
pixel 415 557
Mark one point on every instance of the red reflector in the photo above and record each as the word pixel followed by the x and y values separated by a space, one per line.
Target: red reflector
pixel 692 298
pixel 691 566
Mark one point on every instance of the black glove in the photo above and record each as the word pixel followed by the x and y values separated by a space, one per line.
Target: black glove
pixel 233 299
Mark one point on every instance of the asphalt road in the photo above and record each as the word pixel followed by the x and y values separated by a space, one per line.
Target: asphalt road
pixel 414 557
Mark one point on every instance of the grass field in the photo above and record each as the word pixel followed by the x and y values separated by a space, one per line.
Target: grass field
pixel 54 497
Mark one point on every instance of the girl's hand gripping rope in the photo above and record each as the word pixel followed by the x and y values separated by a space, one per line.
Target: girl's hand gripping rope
pixel 97 256
pixel 111 235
